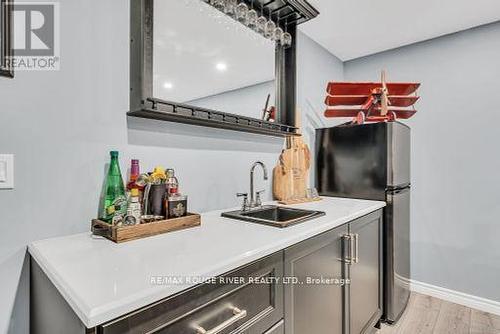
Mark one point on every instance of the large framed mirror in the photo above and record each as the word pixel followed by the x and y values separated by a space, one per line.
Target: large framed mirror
pixel 218 63
pixel 6 53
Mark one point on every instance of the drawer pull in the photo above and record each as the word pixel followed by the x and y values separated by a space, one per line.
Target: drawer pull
pixel 238 315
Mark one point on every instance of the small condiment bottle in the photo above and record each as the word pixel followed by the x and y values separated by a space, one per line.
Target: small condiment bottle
pixel 172 183
pixel 134 206
pixel 134 174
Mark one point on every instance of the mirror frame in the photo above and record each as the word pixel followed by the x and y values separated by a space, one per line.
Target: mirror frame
pixel 6 31
pixel 144 105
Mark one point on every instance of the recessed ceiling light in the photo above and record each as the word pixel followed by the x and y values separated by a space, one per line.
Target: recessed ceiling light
pixel 168 85
pixel 221 67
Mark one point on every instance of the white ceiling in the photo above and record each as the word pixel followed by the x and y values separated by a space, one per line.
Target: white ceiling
pixel 191 38
pixel 354 28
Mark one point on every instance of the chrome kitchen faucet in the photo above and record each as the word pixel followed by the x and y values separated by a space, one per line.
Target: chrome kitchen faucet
pixel 255 197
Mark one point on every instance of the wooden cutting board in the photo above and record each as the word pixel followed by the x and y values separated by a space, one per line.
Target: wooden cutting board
pixel 291 174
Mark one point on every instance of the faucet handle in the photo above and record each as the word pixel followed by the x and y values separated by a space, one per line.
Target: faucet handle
pixel 258 197
pixel 244 206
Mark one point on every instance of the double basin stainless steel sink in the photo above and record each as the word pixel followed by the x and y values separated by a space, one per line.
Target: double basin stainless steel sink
pixel 277 216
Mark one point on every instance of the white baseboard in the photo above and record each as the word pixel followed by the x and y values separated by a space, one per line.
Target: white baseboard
pixel 478 303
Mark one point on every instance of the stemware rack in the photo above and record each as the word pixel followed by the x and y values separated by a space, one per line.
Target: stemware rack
pixel 284 12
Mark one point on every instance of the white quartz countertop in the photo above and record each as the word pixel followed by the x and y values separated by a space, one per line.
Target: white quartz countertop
pixel 102 280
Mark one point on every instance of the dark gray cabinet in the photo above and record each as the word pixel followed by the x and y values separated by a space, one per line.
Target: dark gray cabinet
pixel 251 307
pixel 330 283
pixel 320 303
pixel 364 272
pixel 254 305
pixel 310 305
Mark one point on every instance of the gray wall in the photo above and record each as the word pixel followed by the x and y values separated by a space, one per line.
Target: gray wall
pixel 61 125
pixel 455 156
pixel 316 67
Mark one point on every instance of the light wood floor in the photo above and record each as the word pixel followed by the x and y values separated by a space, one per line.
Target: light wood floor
pixel 428 315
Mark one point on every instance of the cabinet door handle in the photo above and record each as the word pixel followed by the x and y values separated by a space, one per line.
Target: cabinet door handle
pixel 356 248
pixel 238 315
pixel 352 246
pixel 351 243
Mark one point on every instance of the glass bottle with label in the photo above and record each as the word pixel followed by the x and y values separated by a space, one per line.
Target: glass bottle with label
pixel 172 183
pixel 134 174
pixel 115 202
pixel 134 206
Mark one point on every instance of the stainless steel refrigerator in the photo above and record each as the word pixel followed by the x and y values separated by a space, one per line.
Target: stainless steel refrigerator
pixel 372 161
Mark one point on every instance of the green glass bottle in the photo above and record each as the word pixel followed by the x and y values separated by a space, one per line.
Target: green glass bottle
pixel 115 201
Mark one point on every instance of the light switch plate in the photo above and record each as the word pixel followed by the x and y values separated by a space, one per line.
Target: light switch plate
pixel 6 171
pixel 3 171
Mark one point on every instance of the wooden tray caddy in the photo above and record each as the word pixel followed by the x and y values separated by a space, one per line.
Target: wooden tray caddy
pixel 120 234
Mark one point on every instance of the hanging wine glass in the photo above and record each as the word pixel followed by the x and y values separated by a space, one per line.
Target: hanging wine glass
pixel 252 18
pixel 261 25
pixel 230 7
pixel 269 30
pixel 241 12
pixel 219 4
pixel 278 31
pixel 286 38
pixel 278 34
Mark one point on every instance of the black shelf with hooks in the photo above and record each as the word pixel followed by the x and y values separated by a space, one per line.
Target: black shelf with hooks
pixel 176 112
